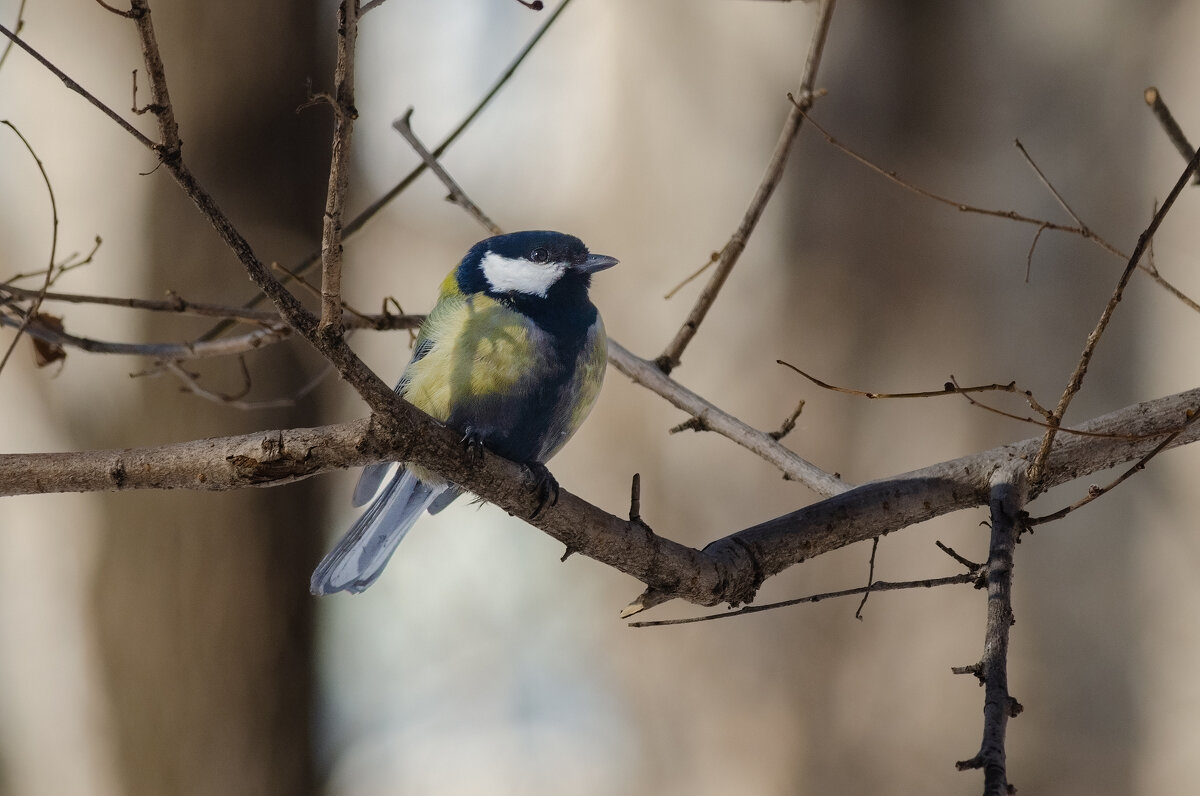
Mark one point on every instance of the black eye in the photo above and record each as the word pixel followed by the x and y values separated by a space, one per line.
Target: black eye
pixel 539 256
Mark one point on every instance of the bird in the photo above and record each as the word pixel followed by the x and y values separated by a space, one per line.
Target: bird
pixel 512 355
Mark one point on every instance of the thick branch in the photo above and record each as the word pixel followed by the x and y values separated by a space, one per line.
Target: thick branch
pixel 728 570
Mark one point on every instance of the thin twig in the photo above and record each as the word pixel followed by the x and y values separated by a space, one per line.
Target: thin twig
pixel 1170 126
pixel 373 209
pixel 671 356
pixel 176 304
pixel 1009 215
pixel 126 14
pixel 17 26
pixel 952 387
pixel 37 300
pixel 344 114
pixel 78 89
pixel 794 467
pixel 1097 491
pixel 1093 339
pixel 203 349
pixel 870 579
pixel 962 207
pixel 1050 187
pixel 879 585
pixel 1007 501
pixel 192 385
pixel 712 258
pixel 789 423
pixel 371 5
pixel 403 125
pixel 1033 421
pixel 966 562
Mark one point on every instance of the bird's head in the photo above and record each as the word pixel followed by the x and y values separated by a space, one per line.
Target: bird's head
pixel 530 265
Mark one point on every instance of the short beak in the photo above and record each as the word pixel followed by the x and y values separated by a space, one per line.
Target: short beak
pixel 597 262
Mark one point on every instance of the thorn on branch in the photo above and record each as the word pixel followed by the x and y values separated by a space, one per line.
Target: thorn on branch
pixel 635 499
pixel 975 669
pixel 130 14
pixel 535 5
pixel 789 424
pixel 314 98
pixel 697 423
pixel 966 562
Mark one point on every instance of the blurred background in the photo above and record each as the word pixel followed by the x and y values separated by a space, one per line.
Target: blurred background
pixel 165 643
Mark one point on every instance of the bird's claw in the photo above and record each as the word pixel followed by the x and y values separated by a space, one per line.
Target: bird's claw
pixel 544 485
pixel 472 443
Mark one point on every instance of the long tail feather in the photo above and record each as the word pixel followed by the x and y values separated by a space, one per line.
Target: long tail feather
pixel 359 558
pixel 369 482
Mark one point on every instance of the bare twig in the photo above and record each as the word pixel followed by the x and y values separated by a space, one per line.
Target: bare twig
pixel 37 300
pixel 78 89
pixel 403 125
pixel 966 562
pixel 371 5
pixel 727 570
pixel 1093 339
pixel 205 349
pixel 789 423
pixel 1009 215
pixel 234 401
pixel 373 209
pixel 962 207
pixel 1170 126
pixel 949 388
pixel 712 259
pixel 344 114
pixel 1048 423
pixel 952 387
pixel 1008 497
pixel 114 10
pixel 176 304
pixel 17 27
pixel 793 467
pixel 1053 191
pixel 671 356
pixel 879 585
pixel 870 579
pixel 160 97
pixel 1097 491
pixel 69 263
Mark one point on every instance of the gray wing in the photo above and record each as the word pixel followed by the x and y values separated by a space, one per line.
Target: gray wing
pixel 373 474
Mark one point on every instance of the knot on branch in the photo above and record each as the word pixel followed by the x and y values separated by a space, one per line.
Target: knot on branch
pixel 275 462
pixel 739 573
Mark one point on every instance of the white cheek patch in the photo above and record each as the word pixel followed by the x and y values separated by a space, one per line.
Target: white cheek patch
pixel 506 275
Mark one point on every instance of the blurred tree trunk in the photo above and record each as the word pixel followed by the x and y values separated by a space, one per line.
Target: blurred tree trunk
pixel 204 621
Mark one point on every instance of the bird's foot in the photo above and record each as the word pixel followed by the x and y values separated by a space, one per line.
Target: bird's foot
pixel 472 443
pixel 544 484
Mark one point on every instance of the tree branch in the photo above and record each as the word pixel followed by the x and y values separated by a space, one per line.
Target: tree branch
pixel 760 443
pixel 373 209
pixel 1093 339
pixel 671 356
pixel 727 570
pixel 344 114
pixel 1008 494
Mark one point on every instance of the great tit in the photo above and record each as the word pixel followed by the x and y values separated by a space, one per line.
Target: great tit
pixel 512 355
